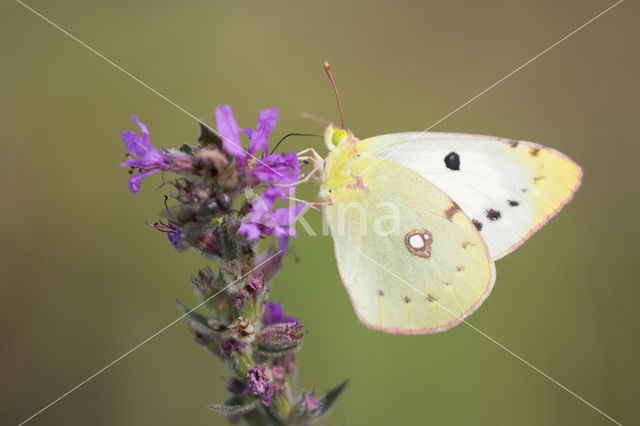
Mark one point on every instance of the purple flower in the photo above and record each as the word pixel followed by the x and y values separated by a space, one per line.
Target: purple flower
pixel 230 132
pixel 174 238
pixel 277 371
pixel 267 396
pixel 229 345
pixel 255 284
pixel 258 138
pixel 259 385
pixel 274 314
pixel 149 160
pixel 261 220
pixel 274 169
pixel 174 234
pixel 282 169
pixel 309 401
pixel 237 300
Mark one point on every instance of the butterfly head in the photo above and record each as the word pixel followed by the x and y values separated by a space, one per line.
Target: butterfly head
pixel 337 137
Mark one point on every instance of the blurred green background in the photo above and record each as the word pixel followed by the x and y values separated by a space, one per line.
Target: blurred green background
pixel 84 280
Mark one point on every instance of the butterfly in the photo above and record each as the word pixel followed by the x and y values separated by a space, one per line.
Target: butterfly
pixel 418 219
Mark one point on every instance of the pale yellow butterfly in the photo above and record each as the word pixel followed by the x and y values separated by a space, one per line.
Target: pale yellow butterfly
pixel 418 219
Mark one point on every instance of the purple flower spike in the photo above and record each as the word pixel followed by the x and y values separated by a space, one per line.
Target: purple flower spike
pixel 149 160
pixel 273 314
pixel 259 385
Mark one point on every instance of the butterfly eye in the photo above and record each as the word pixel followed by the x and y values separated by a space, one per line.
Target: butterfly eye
pixel 338 136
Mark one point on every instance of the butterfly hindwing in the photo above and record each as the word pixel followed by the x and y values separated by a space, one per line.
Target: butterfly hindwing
pixel 410 259
pixel 509 189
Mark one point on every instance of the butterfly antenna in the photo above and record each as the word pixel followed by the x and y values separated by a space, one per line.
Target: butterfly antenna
pixel 327 69
pixel 312 117
pixel 293 134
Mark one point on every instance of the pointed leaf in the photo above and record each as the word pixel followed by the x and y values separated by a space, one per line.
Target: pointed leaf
pixel 235 405
pixel 331 397
pixel 186 149
pixel 208 137
pixel 196 320
pixel 277 352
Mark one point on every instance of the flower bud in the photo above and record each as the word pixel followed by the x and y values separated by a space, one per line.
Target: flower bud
pixel 281 338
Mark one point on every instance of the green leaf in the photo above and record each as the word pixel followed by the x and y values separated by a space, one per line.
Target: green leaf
pixel 197 320
pixel 186 149
pixel 235 405
pixel 331 397
pixel 207 137
pixel 277 352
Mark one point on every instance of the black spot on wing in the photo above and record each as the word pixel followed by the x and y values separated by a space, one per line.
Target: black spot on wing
pixel 513 203
pixel 477 224
pixel 452 161
pixel 493 215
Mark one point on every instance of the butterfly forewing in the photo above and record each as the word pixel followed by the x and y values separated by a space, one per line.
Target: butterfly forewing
pixel 509 189
pixel 409 257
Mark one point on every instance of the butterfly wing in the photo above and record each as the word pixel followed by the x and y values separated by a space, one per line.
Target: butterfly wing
pixel 509 188
pixel 410 259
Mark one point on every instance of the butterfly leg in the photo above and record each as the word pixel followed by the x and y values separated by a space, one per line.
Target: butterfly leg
pixel 315 159
pixel 313 205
